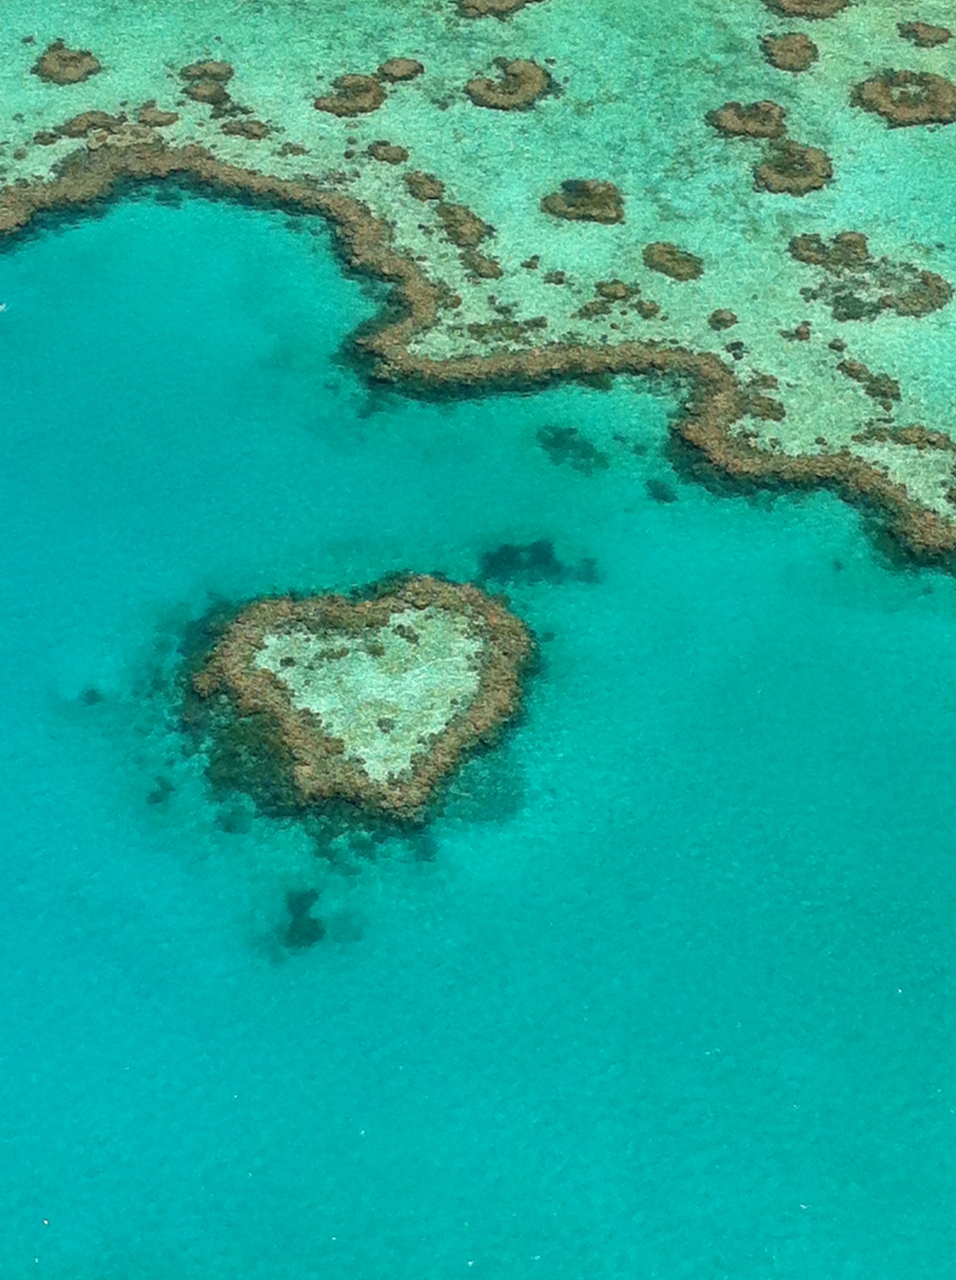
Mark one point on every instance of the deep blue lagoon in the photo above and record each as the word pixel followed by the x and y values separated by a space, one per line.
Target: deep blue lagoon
pixel 669 989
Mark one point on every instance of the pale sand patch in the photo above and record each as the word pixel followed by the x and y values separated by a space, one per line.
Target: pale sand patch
pixel 377 690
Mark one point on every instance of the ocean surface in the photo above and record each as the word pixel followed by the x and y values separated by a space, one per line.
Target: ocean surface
pixel 668 988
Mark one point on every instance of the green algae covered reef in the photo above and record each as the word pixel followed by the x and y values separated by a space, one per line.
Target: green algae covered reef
pixel 372 701
pixel 541 213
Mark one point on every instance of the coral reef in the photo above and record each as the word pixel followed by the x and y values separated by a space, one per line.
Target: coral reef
pixel 859 287
pixel 387 152
pixel 154 118
pixel 709 436
pixel 492 8
pixel 793 51
pixel 462 227
pixel 521 84
pixel 753 120
pixel 60 65
pixel 371 701
pixel 397 70
pixel 672 261
pixel 585 200
pixel 793 169
pixel 806 8
pixel 722 319
pixel 907 98
pixel 531 563
pixel 206 83
pixel 254 130
pixel 354 96
pixel 923 34
pixel 83 124
pixel 424 186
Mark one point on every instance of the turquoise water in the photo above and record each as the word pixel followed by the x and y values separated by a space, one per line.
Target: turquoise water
pixel 669 991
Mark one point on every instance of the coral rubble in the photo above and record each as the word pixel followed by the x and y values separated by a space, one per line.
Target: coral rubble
pixel 370 701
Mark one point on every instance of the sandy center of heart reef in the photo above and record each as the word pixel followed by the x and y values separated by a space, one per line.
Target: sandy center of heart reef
pixel 383 691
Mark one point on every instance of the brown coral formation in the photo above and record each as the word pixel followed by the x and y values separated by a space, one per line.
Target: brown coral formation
pixel 354 96
pixel 321 769
pixel 722 318
pixel 82 125
pixel 254 130
pixel 387 152
pixel 424 186
pixel 60 65
pixel 859 287
pixel 397 70
pixel 521 84
pixel 462 227
pixel 793 51
pixel 923 34
pixel 907 98
pixel 154 118
pixel 807 8
pixel 672 261
pixel 793 169
pixel 206 83
pixel 585 200
pixel 491 8
pixel 753 120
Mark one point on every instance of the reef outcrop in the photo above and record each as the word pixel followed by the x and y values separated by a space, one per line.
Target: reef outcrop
pixel 424 186
pixel 370 701
pixel 206 82
pixel 907 98
pixel 253 130
pixel 672 261
pixel 354 95
pixel 397 70
pixel 387 152
pixel 521 84
pixel 463 227
pixel 155 118
pixel 60 65
pixel 923 34
pixel 84 124
pixel 857 286
pixel 790 168
pixel 492 8
pixel 585 200
pixel 750 120
pixel 807 8
pixel 793 51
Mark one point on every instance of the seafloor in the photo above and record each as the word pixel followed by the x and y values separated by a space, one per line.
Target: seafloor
pixel 666 987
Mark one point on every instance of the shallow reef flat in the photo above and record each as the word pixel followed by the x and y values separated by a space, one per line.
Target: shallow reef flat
pixel 756 206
